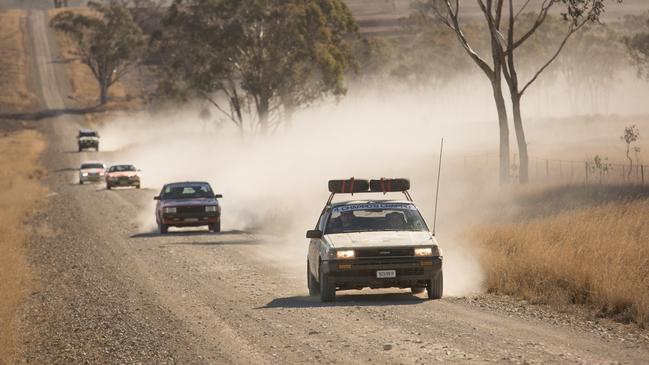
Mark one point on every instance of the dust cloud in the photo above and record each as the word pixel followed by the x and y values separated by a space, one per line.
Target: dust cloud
pixel 276 184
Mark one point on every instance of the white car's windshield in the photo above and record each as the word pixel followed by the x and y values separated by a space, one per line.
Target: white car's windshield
pixel 92 166
pixel 375 217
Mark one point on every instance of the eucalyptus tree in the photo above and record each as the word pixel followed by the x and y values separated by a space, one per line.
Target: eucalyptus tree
pixel 638 47
pixel 501 18
pixel 256 61
pixel 489 62
pixel 107 41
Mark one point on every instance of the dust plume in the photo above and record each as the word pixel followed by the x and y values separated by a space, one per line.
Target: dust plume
pixel 276 184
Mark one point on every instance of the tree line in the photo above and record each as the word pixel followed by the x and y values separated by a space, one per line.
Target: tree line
pixel 255 61
pixel 258 61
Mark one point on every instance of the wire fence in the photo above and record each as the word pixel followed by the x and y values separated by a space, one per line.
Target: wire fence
pixel 546 170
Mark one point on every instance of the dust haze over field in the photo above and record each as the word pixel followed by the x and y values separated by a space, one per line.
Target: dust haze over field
pixel 277 183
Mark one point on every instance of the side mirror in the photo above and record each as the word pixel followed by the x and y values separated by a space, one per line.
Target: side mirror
pixel 314 233
pixel 156 197
pixel 216 196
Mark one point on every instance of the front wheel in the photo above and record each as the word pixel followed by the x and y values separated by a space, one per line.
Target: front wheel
pixel 435 286
pixel 216 227
pixel 327 288
pixel 137 186
pixel 108 186
pixel 311 283
pixel 163 228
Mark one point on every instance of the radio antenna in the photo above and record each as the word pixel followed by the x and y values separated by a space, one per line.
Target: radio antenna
pixel 439 171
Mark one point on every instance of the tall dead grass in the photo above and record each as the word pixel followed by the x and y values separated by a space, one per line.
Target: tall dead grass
pixel 15 94
pixel 20 193
pixel 595 254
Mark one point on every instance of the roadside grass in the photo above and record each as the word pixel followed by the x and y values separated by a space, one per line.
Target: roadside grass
pixel 84 86
pixel 584 245
pixel 14 63
pixel 20 192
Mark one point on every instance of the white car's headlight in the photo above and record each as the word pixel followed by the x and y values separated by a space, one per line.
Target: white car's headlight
pixel 423 251
pixel 345 254
pixel 170 210
pixel 211 208
pixel 84 174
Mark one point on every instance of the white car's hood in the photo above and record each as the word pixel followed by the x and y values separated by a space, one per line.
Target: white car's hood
pixel 91 171
pixel 380 239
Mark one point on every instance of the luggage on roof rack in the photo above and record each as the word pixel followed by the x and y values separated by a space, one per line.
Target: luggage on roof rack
pixel 348 186
pixel 386 185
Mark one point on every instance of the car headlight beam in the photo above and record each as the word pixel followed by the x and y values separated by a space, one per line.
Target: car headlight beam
pixel 427 251
pixel 345 254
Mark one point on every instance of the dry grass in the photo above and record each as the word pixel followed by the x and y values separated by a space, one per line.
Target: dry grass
pixel 593 252
pixel 84 86
pixel 20 191
pixel 14 63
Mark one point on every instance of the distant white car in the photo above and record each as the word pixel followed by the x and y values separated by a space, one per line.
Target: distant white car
pixel 88 138
pixel 91 171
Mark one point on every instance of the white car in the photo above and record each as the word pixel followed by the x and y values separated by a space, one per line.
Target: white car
pixel 91 171
pixel 372 243
pixel 88 138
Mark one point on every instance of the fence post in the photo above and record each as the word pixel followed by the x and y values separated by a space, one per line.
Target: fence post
pixel 572 171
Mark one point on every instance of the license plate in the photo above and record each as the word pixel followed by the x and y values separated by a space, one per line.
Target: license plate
pixel 191 219
pixel 382 274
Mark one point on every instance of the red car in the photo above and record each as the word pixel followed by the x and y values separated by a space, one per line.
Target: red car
pixel 122 175
pixel 188 204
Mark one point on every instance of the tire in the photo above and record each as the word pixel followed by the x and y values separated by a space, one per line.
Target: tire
pixel 417 290
pixel 108 186
pixel 80 182
pixel 327 288
pixel 311 283
pixel 137 186
pixel 435 286
pixel 80 148
pixel 163 228
pixel 216 227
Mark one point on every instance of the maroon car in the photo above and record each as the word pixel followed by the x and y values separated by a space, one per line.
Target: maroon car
pixel 188 204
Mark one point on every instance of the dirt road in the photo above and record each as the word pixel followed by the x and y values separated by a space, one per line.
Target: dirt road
pixel 114 293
